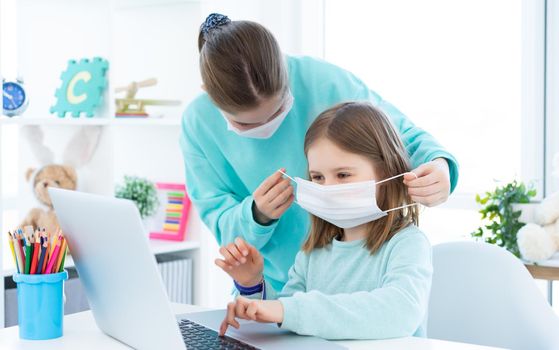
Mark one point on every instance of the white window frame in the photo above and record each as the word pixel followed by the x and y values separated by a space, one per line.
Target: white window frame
pixel 533 116
pixel 533 94
pixel 551 121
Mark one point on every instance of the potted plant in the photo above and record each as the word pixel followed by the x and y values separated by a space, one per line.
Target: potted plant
pixel 500 214
pixel 142 192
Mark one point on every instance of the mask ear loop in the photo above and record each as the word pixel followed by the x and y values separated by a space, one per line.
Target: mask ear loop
pixel 393 177
pixel 403 206
pixel 292 179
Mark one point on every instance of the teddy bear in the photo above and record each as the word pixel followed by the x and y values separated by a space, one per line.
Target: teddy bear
pixel 78 152
pixel 52 175
pixel 539 240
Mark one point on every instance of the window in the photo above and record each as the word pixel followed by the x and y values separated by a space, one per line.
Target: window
pixel 456 70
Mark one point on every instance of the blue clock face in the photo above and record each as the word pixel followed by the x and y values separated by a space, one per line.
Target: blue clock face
pixel 13 96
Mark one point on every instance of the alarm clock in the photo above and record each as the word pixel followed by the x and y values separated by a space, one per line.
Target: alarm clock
pixel 14 98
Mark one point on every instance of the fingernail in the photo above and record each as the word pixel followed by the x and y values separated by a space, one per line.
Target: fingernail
pixel 245 253
pixel 237 263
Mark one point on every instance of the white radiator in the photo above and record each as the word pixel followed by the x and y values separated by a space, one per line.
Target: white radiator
pixel 177 278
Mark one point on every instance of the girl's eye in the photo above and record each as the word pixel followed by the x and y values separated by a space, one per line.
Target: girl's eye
pixel 57 182
pixel 343 175
pixel 316 178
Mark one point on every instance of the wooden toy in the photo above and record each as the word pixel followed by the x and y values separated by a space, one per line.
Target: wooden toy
pixel 129 106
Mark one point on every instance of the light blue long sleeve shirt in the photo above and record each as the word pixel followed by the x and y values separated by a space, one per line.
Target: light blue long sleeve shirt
pixel 343 292
pixel 223 169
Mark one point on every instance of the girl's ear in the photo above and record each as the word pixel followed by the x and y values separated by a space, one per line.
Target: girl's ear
pixel 82 146
pixel 35 138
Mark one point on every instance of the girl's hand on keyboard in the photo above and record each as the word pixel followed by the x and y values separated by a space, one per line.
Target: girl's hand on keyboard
pixel 249 309
pixel 242 262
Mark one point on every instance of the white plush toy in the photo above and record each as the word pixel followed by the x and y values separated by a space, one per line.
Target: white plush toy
pixel 540 240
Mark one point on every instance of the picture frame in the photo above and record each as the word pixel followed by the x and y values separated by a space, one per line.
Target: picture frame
pixel 172 216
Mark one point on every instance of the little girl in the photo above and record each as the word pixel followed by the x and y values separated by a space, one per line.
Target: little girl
pixel 365 270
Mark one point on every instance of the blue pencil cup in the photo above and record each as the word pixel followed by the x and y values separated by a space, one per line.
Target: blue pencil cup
pixel 40 305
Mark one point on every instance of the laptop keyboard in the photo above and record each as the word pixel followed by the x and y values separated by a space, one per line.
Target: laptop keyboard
pixel 197 337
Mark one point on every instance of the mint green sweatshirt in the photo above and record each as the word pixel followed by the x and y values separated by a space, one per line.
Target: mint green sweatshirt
pixel 223 169
pixel 343 292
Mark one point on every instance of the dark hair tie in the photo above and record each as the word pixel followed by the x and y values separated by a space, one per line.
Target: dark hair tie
pixel 214 20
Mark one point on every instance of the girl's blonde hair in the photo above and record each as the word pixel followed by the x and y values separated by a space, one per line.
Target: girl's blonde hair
pixel 363 129
pixel 241 63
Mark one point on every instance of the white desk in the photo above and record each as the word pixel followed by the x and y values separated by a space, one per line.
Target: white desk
pixel 81 332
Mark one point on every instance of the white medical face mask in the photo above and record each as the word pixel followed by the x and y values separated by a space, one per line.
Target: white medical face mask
pixel 263 131
pixel 345 205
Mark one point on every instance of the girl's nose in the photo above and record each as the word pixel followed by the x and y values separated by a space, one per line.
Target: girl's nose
pixel 328 182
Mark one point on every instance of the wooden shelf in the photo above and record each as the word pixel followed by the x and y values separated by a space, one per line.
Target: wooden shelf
pixel 157 247
pixel 545 270
pixel 146 121
pixel 549 273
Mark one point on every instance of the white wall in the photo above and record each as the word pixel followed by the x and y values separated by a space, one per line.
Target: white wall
pixel 160 42
pixel 141 39
pixel 49 34
pixel 282 18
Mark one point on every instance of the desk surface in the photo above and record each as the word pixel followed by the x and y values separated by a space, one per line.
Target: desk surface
pixel 81 332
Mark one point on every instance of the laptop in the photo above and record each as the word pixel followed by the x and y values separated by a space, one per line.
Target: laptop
pixel 127 298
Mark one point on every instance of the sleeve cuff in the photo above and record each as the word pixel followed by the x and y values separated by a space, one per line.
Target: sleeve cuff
pixel 290 314
pixel 255 227
pixel 244 291
pixel 452 167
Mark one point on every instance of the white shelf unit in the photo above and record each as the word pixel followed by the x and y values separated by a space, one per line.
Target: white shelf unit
pixel 68 121
pixel 139 42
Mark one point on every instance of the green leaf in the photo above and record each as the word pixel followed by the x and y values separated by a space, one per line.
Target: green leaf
pixel 499 221
pixel 142 192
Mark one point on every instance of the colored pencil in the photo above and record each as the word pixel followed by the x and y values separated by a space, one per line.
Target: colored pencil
pixel 60 255
pixel 47 247
pixel 63 259
pixel 53 257
pixel 28 256
pixel 36 250
pixel 21 245
pixel 17 248
pixel 28 233
pixel 11 243
pixel 45 262
pixel 42 260
pixel 30 240
pixel 22 236
pixel 54 242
